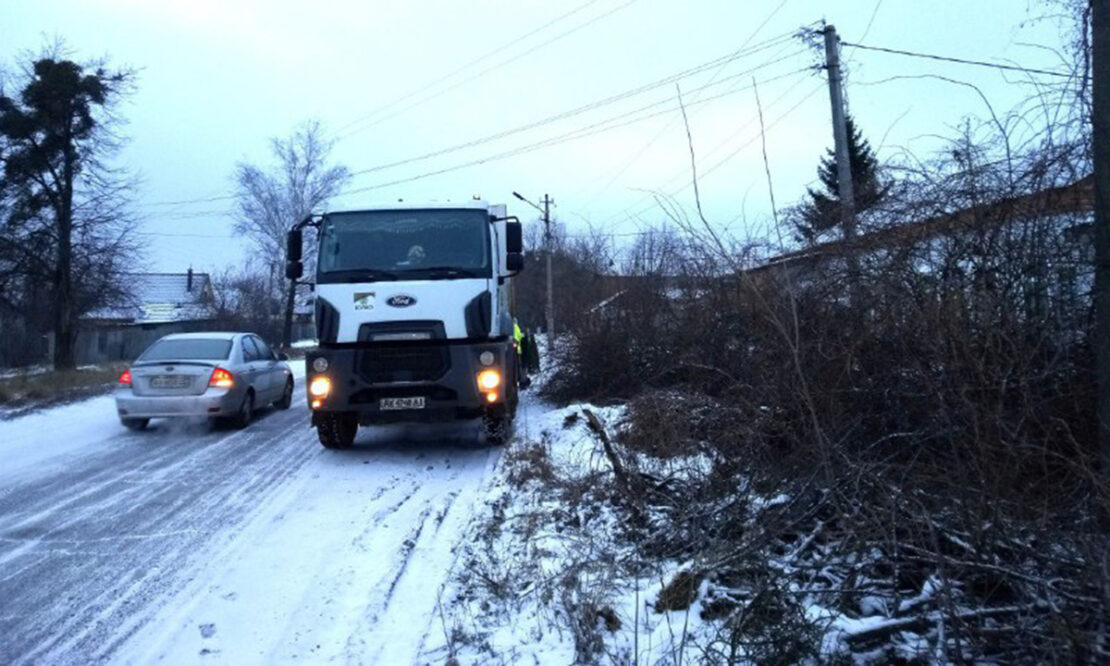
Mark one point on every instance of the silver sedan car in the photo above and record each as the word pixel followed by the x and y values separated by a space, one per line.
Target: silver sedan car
pixel 222 376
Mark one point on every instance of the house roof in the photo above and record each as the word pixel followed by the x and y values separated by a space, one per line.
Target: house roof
pixel 161 298
pixel 1078 197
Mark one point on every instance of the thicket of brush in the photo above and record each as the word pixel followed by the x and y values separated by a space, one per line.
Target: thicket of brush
pixel 925 398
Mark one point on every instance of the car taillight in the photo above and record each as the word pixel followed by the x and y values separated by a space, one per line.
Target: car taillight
pixel 125 378
pixel 221 379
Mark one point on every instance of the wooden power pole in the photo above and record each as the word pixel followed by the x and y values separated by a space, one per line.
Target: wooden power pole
pixel 840 135
pixel 550 314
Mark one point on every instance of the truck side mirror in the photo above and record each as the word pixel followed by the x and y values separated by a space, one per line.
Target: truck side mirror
pixel 293 245
pixel 514 262
pixel 514 238
pixel 294 269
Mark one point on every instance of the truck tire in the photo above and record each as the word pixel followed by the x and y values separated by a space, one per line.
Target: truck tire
pixel 498 429
pixel 336 430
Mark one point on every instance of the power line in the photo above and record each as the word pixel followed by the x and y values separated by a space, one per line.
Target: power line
pixel 871 21
pixel 488 70
pixel 172 235
pixel 961 61
pixel 580 133
pixel 182 202
pixel 697 69
pixel 612 179
pixel 577 111
pixel 627 212
pixel 466 66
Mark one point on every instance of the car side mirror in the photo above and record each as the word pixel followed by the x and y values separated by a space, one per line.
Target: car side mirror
pixel 514 262
pixel 282 356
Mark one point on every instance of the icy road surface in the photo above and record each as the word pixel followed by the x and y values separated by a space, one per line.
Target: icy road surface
pixel 187 545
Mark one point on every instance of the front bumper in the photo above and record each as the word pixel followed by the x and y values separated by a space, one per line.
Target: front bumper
pixel 360 379
pixel 213 402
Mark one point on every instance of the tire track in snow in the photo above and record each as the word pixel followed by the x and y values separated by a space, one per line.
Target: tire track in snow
pixel 230 475
pixel 81 634
pixel 288 549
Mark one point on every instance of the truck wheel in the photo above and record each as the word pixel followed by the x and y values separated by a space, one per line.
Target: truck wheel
pixel 497 429
pixel 336 431
pixel 134 424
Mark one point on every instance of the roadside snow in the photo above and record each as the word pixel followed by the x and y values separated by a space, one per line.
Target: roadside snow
pixel 58 436
pixel 345 564
pixel 540 564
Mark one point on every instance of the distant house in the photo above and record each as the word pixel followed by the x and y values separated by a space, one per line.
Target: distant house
pixel 161 303
pixel 1068 205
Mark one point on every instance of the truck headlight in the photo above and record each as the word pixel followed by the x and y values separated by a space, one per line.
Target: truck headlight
pixel 486 358
pixel 489 380
pixel 320 387
pixel 320 364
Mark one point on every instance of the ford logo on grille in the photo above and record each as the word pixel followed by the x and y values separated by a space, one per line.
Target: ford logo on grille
pixel 400 301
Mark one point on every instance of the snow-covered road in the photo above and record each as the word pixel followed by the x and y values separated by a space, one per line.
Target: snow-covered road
pixel 187 545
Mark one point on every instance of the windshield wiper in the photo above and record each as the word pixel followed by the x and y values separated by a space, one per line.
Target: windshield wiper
pixel 447 272
pixel 364 275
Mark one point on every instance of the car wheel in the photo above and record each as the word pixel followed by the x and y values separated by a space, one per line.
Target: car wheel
pixel 246 412
pixel 286 399
pixel 336 430
pixel 135 424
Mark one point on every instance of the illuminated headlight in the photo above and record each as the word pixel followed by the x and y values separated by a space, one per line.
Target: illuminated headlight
pixel 486 358
pixel 320 387
pixel 320 364
pixel 489 380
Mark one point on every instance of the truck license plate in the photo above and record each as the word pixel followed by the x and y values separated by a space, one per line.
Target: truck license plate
pixel 401 403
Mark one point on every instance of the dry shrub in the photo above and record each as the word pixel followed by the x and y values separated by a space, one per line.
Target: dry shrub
pixel 926 398
pixel 28 391
pixel 679 593
pixel 529 462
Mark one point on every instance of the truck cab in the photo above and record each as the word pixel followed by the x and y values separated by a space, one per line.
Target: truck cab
pixel 412 317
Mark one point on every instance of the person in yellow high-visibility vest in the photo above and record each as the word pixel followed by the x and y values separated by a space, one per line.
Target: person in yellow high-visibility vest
pixel 518 344
pixel 518 338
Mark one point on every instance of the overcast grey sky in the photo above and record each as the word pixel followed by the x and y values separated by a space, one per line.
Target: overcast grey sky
pixel 218 78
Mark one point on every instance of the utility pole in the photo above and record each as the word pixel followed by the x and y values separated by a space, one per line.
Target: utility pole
pixel 840 135
pixel 843 161
pixel 549 311
pixel 1100 125
pixel 550 314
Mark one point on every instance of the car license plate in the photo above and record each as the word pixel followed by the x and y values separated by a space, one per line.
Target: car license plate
pixel 401 403
pixel 170 381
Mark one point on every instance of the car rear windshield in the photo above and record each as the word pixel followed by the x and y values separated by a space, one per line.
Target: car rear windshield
pixel 189 349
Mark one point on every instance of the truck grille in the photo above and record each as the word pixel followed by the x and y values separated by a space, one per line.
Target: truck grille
pixel 409 363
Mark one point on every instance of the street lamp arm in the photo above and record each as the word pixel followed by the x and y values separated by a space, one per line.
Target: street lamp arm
pixel 518 195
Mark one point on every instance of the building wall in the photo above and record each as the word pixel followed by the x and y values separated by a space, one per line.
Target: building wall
pixel 23 344
pixel 123 342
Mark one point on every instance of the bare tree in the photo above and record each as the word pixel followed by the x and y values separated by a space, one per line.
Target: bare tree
pixel 65 219
pixel 272 200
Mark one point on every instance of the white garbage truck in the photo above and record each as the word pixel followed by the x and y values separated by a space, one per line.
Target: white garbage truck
pixel 412 317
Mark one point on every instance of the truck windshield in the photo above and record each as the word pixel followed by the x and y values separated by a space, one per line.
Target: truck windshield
pixel 404 245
